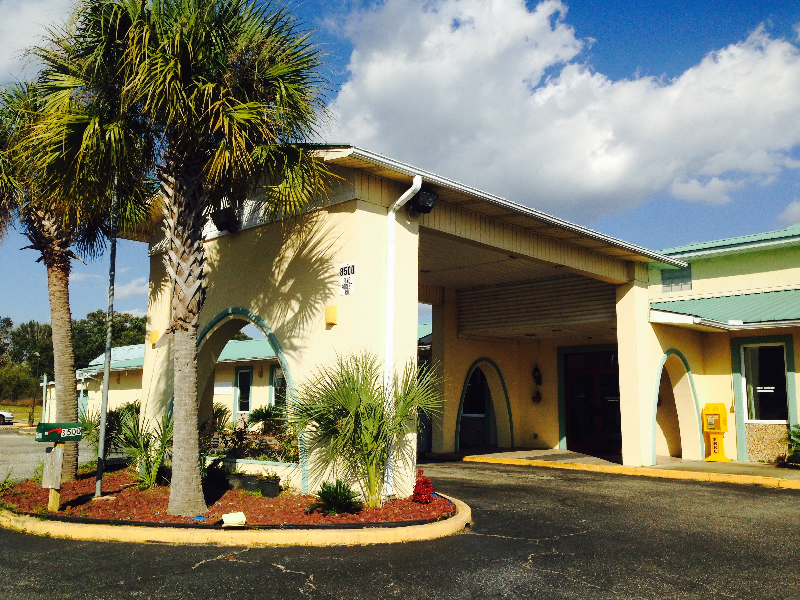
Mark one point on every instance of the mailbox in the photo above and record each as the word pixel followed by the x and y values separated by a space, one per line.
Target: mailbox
pixel 715 424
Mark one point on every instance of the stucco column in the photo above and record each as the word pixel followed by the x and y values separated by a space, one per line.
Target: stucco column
pixel 443 343
pixel 636 339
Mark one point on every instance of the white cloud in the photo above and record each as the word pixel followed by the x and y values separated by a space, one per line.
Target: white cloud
pixel 495 95
pixel 23 24
pixel 76 277
pixel 136 312
pixel 791 214
pixel 137 287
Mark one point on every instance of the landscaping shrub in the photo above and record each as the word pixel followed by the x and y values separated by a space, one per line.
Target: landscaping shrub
pixel 793 440
pixel 335 498
pixel 147 445
pixel 423 489
pixel 90 423
pixel 353 428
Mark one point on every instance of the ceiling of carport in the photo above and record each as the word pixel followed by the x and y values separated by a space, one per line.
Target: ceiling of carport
pixel 455 264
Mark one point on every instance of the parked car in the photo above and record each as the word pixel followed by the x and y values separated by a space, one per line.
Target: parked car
pixel 6 418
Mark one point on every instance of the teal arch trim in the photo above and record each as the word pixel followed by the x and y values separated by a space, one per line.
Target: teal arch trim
pixel 739 394
pixel 278 349
pixel 464 393
pixel 667 354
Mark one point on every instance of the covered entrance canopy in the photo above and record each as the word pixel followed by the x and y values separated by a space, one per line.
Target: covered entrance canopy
pixel 510 286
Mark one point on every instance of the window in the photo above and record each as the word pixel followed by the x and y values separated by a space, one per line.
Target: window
pixel 676 280
pixel 764 373
pixel 278 387
pixel 244 379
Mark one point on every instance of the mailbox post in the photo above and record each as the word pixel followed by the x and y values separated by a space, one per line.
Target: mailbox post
pixel 715 424
pixel 51 477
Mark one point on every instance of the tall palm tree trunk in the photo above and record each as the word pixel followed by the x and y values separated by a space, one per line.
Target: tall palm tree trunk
pixel 58 265
pixel 181 187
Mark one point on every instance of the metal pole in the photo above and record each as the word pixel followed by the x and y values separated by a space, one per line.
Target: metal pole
pixel 98 490
pixel 44 396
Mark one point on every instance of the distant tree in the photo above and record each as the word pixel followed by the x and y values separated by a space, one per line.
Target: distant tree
pixel 241 337
pixel 6 325
pixel 16 382
pixel 89 334
pixel 26 340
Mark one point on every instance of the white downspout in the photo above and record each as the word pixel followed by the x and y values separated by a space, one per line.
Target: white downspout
pixel 388 353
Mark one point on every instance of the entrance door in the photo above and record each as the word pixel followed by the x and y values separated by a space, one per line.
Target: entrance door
pixel 594 425
pixel 477 424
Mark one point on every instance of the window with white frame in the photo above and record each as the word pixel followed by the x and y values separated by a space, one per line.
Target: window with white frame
pixel 278 387
pixel 764 382
pixel 244 380
pixel 676 280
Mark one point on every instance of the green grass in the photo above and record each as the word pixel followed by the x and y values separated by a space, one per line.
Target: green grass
pixel 21 413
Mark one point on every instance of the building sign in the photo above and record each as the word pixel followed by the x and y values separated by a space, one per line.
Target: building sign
pixel 223 388
pixel 347 278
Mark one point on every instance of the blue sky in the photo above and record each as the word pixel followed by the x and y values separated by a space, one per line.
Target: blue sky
pixel 661 123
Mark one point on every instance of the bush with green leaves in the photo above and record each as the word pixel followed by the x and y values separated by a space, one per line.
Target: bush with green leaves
pixel 353 424
pixel 148 444
pixel 793 440
pixel 90 423
pixel 335 498
pixel 272 419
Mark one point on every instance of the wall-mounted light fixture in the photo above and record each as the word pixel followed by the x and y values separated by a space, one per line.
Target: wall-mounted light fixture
pixel 422 203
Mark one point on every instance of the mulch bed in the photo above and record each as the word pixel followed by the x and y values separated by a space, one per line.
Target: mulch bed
pixel 150 506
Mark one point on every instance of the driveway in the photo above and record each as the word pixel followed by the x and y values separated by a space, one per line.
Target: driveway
pixel 20 453
pixel 539 533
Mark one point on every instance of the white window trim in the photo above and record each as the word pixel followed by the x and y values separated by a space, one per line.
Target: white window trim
pixel 744 384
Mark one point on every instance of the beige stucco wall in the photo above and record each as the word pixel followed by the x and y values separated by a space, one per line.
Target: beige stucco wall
pixel 286 273
pixel 741 273
pixel 123 387
pixel 535 424
pixel 260 387
pixel 709 353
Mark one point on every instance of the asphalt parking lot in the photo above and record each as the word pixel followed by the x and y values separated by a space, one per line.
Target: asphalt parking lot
pixel 539 533
pixel 20 454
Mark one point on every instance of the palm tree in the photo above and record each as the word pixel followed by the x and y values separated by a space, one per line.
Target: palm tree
pixel 232 87
pixel 353 428
pixel 61 204
pixel 51 232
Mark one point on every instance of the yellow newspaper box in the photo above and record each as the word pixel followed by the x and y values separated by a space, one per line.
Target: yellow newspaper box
pixel 715 424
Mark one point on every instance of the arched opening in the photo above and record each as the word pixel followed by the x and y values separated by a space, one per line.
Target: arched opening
pixel 478 422
pixel 263 379
pixel 677 429
pixel 491 423
pixel 668 433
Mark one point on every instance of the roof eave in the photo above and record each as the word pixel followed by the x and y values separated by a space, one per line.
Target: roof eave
pixel 411 171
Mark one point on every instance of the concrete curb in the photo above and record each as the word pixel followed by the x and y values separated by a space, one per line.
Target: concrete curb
pixel 243 537
pixel 644 472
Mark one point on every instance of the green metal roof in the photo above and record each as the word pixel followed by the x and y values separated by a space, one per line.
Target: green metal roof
pixel 121 353
pixel 782 236
pixel 246 350
pixel 424 329
pixel 749 308
pixel 132 357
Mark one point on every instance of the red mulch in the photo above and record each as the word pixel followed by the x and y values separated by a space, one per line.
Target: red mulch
pixel 133 504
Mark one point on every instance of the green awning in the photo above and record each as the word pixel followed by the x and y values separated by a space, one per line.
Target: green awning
pixel 783 305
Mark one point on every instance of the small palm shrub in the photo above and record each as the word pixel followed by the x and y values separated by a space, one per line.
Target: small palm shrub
pixel 271 419
pixel 353 426
pixel 147 445
pixel 335 498
pixel 793 440
pixel 90 423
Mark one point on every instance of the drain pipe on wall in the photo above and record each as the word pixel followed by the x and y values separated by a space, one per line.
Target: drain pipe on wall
pixel 388 354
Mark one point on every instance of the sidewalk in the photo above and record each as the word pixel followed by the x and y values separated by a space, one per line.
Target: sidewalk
pixel 667 467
